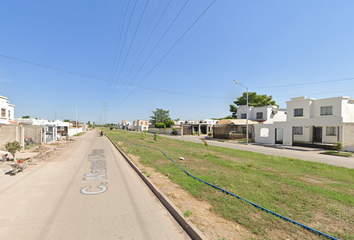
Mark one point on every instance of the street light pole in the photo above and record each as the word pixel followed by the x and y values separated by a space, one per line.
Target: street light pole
pixel 246 111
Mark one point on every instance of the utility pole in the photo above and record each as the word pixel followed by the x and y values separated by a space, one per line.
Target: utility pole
pixel 104 107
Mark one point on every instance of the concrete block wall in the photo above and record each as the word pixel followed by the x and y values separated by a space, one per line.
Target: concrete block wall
pixel 348 135
pixel 34 132
pixel 10 133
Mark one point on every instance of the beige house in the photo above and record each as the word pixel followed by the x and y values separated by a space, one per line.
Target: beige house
pixel 141 125
pixel 233 129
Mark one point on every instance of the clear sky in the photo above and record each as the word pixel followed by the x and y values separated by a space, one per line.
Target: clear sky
pixel 177 55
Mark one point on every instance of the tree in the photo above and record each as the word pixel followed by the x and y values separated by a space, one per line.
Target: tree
pixel 13 147
pixel 254 100
pixel 66 120
pixel 161 116
pixel 26 117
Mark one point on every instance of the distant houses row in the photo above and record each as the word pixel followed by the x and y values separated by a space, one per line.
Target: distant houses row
pixel 304 122
pixel 31 130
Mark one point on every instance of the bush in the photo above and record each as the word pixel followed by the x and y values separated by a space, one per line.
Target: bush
pixel 160 125
pixel 13 147
pixel 169 123
pixel 339 146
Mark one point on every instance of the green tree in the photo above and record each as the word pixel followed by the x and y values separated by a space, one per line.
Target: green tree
pixel 13 147
pixel 254 100
pixel 161 116
pixel 66 120
pixel 26 117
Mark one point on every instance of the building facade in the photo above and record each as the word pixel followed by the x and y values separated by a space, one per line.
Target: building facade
pixel 7 111
pixel 316 122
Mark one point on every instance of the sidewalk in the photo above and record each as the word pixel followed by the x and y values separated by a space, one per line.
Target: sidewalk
pixel 302 153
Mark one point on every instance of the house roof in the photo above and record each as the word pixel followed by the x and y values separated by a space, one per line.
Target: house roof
pixel 236 121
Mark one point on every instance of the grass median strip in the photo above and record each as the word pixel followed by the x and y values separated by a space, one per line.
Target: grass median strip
pixel 314 194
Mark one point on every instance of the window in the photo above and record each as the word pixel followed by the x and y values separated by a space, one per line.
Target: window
pixel 259 115
pixel 325 111
pixel 297 130
pixel 243 116
pixel 298 112
pixel 331 131
pixel 3 112
pixel 9 113
pixel 264 132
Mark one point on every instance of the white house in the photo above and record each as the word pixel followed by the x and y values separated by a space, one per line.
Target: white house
pixel 312 121
pixel 209 121
pixel 7 111
pixel 265 114
pixel 179 122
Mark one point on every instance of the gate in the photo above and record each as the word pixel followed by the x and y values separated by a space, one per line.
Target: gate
pixel 187 130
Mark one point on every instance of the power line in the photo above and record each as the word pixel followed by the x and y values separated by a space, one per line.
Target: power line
pixel 121 51
pixel 169 50
pixel 132 41
pixel 114 64
pixel 55 68
pixel 158 43
pixel 160 90
pixel 308 83
pixel 147 41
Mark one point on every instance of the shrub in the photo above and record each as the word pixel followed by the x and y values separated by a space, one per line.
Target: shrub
pixel 13 147
pixel 339 146
pixel 160 125
pixel 169 123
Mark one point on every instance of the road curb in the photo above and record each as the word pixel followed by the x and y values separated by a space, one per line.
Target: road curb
pixel 190 229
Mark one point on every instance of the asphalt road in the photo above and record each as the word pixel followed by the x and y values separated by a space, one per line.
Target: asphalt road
pixel 307 154
pixel 88 192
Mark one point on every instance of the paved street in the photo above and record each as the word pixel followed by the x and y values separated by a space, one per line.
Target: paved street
pixel 308 154
pixel 88 192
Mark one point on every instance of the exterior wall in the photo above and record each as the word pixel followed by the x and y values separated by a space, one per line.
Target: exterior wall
pixel 36 133
pixel 296 103
pixel 10 133
pixel 165 130
pixel 348 136
pixel 348 110
pixel 265 133
pixel 336 104
pixel 73 131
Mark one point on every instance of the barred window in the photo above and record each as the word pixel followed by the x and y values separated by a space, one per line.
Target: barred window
pixel 298 112
pixel 243 116
pixel 3 112
pixel 325 111
pixel 297 130
pixel 259 115
pixel 331 131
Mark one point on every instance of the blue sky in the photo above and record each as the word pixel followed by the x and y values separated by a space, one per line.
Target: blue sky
pixel 177 55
